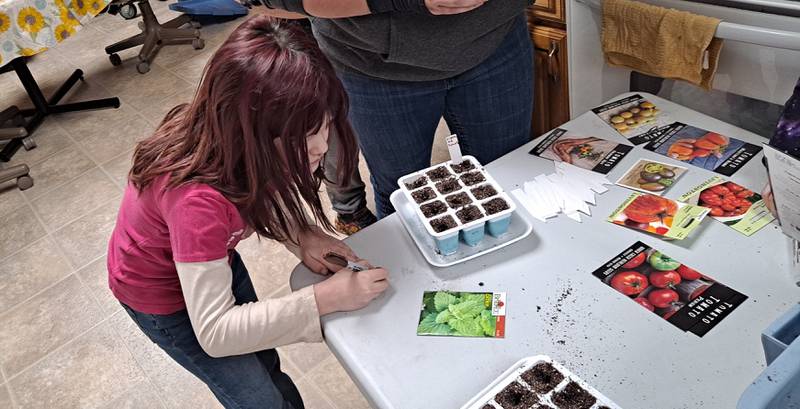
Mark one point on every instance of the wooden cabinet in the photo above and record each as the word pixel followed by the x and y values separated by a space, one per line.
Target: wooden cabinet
pixel 552 10
pixel 546 23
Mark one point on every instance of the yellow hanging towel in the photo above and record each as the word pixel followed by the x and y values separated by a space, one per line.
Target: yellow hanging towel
pixel 661 42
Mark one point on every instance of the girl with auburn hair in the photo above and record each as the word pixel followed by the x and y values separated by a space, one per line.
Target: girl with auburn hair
pixel 244 156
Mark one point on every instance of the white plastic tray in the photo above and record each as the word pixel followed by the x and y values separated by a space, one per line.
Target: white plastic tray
pixel 513 374
pixel 518 229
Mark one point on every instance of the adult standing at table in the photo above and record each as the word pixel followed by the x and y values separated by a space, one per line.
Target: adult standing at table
pixel 407 63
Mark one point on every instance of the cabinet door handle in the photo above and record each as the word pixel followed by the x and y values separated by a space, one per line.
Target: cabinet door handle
pixel 552 61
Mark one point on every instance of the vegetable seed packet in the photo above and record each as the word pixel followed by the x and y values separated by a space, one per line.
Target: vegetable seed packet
pixel 659 216
pixel 634 118
pixel 650 176
pixel 701 148
pixel 587 152
pixel 674 291
pixel 739 208
pixel 463 314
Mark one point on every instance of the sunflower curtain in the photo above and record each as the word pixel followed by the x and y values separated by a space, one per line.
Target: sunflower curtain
pixel 28 27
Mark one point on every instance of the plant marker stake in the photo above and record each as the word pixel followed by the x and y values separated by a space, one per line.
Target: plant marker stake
pixel 454 149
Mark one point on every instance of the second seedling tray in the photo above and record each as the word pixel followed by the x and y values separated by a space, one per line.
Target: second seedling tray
pixel 515 383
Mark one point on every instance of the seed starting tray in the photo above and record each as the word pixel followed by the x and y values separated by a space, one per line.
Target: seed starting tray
pixel 486 397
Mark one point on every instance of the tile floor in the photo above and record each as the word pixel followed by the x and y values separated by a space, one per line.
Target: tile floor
pixel 64 341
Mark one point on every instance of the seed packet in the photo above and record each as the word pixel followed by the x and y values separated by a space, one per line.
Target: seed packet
pixel 463 314
pixel 658 215
pixel 650 176
pixel 742 209
pixel 634 118
pixel 708 150
pixel 687 299
pixel 587 152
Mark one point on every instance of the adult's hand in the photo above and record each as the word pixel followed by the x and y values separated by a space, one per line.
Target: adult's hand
pixel 315 244
pixel 444 7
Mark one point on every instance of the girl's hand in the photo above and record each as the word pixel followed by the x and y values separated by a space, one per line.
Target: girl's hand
pixel 315 245
pixel 349 291
pixel 769 199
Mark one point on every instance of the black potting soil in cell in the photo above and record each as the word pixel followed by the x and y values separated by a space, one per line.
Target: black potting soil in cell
pixel 472 178
pixel 543 377
pixel 469 214
pixel 443 223
pixel 573 397
pixel 458 200
pixel 495 205
pixel 464 166
pixel 516 396
pixel 483 191
pixel 448 186
pixel 423 195
pixel 542 406
pixel 438 173
pixel 433 208
pixel 487 406
pixel 417 183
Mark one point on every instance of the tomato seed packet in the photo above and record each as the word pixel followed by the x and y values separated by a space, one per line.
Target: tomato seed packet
pixel 634 118
pixel 742 209
pixel 463 314
pixel 650 176
pixel 687 299
pixel 659 216
pixel 587 152
pixel 701 148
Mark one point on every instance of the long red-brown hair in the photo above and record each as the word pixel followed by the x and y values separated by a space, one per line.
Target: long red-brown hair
pixel 267 85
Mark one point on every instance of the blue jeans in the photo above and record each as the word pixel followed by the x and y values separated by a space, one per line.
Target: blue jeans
pixel 242 381
pixel 489 107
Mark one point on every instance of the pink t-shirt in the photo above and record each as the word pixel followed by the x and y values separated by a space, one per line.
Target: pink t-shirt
pixel 160 226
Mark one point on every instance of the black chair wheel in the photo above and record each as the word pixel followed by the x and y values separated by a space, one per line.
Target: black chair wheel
pixel 28 143
pixel 128 11
pixel 143 67
pixel 198 43
pixel 24 182
pixel 115 59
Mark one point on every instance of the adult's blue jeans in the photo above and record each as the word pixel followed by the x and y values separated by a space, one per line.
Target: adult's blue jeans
pixel 246 381
pixel 489 107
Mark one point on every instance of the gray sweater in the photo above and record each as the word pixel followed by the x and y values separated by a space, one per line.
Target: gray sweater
pixel 407 46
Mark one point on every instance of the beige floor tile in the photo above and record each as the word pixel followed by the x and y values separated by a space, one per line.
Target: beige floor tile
pixel 86 373
pixel 117 140
pixel 306 356
pixel 49 138
pixel 312 397
pixel 95 278
pixel 178 388
pixel 118 168
pixel 268 262
pixel 140 396
pixel 141 90
pixel 29 271
pixel 337 386
pixel 84 47
pixel 11 197
pixel 75 198
pixel 20 228
pixel 81 125
pixel 86 239
pixel 58 169
pixel 47 321
pixel 191 69
pixel 155 113
pixel 173 56
pixel 5 398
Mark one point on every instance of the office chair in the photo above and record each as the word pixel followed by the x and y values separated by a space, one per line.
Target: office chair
pixel 154 35
pixel 15 131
